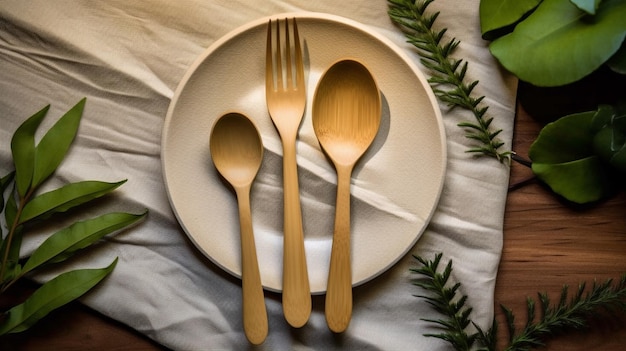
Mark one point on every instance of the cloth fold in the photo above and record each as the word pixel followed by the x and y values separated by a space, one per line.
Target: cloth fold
pixel 128 58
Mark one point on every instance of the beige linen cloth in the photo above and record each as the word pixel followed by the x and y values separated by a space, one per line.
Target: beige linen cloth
pixel 127 58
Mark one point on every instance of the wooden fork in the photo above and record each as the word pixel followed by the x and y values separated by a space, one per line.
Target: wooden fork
pixel 286 100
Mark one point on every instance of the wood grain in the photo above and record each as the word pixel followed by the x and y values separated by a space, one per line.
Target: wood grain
pixel 546 244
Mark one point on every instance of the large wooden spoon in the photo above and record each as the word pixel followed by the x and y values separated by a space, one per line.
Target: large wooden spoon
pixel 346 118
pixel 237 152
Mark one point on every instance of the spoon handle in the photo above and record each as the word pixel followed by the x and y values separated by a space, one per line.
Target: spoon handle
pixel 255 323
pixel 296 290
pixel 339 290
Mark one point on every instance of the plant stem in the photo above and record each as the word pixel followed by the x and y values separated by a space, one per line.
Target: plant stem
pixel 521 160
pixel 522 183
pixel 9 240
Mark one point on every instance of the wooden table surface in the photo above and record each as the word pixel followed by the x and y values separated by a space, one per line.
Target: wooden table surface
pixel 546 244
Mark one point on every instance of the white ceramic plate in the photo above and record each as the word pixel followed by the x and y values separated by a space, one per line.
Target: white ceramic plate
pixel 395 187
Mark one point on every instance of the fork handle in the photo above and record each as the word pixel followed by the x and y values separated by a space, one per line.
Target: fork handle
pixel 338 307
pixel 296 290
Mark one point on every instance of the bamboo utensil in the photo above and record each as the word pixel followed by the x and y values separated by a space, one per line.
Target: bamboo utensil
pixel 237 152
pixel 346 118
pixel 285 102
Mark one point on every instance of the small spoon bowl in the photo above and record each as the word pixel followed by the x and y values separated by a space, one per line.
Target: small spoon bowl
pixel 346 118
pixel 236 149
pixel 237 153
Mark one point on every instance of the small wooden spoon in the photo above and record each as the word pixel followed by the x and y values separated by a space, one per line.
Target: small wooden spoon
pixel 346 118
pixel 237 152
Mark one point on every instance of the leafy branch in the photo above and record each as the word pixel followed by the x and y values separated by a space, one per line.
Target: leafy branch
pixel 442 299
pixel 568 313
pixel 26 207
pixel 435 53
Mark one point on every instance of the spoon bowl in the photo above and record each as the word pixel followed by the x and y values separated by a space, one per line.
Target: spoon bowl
pixel 237 153
pixel 346 119
pixel 346 111
pixel 236 149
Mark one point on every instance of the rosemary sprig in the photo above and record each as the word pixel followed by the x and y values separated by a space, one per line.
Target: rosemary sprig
pixel 443 299
pixel 568 313
pixel 447 73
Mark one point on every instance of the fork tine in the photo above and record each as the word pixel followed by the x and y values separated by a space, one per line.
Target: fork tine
pixel 269 69
pixel 299 63
pixel 279 65
pixel 273 59
pixel 288 56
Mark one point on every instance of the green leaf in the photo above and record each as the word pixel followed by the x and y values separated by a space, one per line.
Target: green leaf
pixel 564 158
pixel 55 143
pixel 4 185
pixel 619 161
pixel 13 268
pixel 589 6
pixel 567 139
pixel 603 117
pixel 497 17
pixel 609 143
pixel 620 121
pixel 55 293
pixel 11 209
pixel 23 149
pixel 580 181
pixel 79 235
pixel 617 62
pixel 559 44
pixel 66 197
